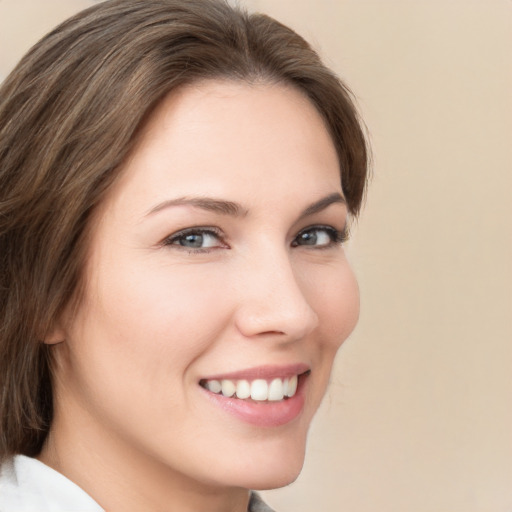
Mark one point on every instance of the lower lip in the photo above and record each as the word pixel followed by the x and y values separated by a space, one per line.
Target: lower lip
pixel 263 414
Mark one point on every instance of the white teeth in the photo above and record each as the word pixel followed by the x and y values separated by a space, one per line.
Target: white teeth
pixel 275 390
pixel 228 388
pixel 292 386
pixel 259 389
pixel 285 386
pixel 214 386
pixel 243 389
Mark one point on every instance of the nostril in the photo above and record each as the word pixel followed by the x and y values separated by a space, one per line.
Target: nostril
pixel 272 333
pixel 275 323
pixel 272 303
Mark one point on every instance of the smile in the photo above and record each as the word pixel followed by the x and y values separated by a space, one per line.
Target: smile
pixel 265 397
pixel 260 390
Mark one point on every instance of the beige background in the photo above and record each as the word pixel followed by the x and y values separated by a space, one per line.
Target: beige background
pixel 419 415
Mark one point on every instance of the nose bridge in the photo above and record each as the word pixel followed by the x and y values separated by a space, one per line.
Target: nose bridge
pixel 271 299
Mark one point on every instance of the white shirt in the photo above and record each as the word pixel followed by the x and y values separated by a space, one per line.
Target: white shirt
pixel 27 485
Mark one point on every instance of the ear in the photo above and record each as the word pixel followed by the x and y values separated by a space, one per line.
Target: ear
pixel 55 335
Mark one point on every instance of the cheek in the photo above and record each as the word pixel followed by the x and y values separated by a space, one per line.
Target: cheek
pixel 333 293
pixel 344 306
pixel 336 302
pixel 158 313
pixel 135 338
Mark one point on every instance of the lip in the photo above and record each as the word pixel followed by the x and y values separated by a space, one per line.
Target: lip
pixel 268 413
pixel 267 372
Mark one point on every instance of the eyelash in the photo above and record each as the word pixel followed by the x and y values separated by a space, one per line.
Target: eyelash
pixel 336 237
pixel 174 239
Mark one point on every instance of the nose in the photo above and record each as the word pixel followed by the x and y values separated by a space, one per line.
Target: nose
pixel 271 300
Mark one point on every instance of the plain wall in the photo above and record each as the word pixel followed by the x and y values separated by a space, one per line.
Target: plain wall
pixel 418 416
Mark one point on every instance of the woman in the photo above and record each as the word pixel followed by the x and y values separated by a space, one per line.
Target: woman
pixel 175 185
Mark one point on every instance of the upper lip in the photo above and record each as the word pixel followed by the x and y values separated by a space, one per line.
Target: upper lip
pixel 266 372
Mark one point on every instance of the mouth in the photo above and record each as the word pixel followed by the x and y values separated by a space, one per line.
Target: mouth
pixel 259 390
pixel 265 396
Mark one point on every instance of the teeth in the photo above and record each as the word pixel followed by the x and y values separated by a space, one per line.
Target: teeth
pixel 228 388
pixel 292 386
pixel 214 386
pixel 243 389
pixel 259 389
pixel 275 390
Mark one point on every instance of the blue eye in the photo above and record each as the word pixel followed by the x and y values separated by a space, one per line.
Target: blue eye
pixel 195 239
pixel 319 236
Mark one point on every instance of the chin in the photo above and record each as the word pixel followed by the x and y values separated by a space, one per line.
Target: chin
pixel 272 470
pixel 273 480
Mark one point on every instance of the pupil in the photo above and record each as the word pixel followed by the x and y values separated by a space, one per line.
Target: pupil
pixel 192 241
pixel 308 238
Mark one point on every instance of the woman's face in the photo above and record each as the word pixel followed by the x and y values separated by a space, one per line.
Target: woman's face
pixel 215 262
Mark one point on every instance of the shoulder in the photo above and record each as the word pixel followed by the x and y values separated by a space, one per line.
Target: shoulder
pixel 256 504
pixel 27 485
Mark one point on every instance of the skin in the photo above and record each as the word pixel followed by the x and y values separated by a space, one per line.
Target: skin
pixel 132 425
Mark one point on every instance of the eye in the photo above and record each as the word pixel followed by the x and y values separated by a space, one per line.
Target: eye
pixel 320 236
pixel 198 239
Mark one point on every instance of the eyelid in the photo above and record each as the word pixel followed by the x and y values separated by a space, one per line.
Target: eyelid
pixel 340 236
pixel 337 236
pixel 210 230
pixel 344 234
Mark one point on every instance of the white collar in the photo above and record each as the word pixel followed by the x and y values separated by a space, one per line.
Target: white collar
pixel 27 485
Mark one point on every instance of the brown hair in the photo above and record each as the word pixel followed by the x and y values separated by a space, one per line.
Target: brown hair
pixel 69 116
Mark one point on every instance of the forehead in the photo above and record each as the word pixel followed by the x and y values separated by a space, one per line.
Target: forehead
pixel 213 136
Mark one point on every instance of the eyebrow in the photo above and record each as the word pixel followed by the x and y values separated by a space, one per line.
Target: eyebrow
pixel 236 210
pixel 322 204
pixel 204 203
